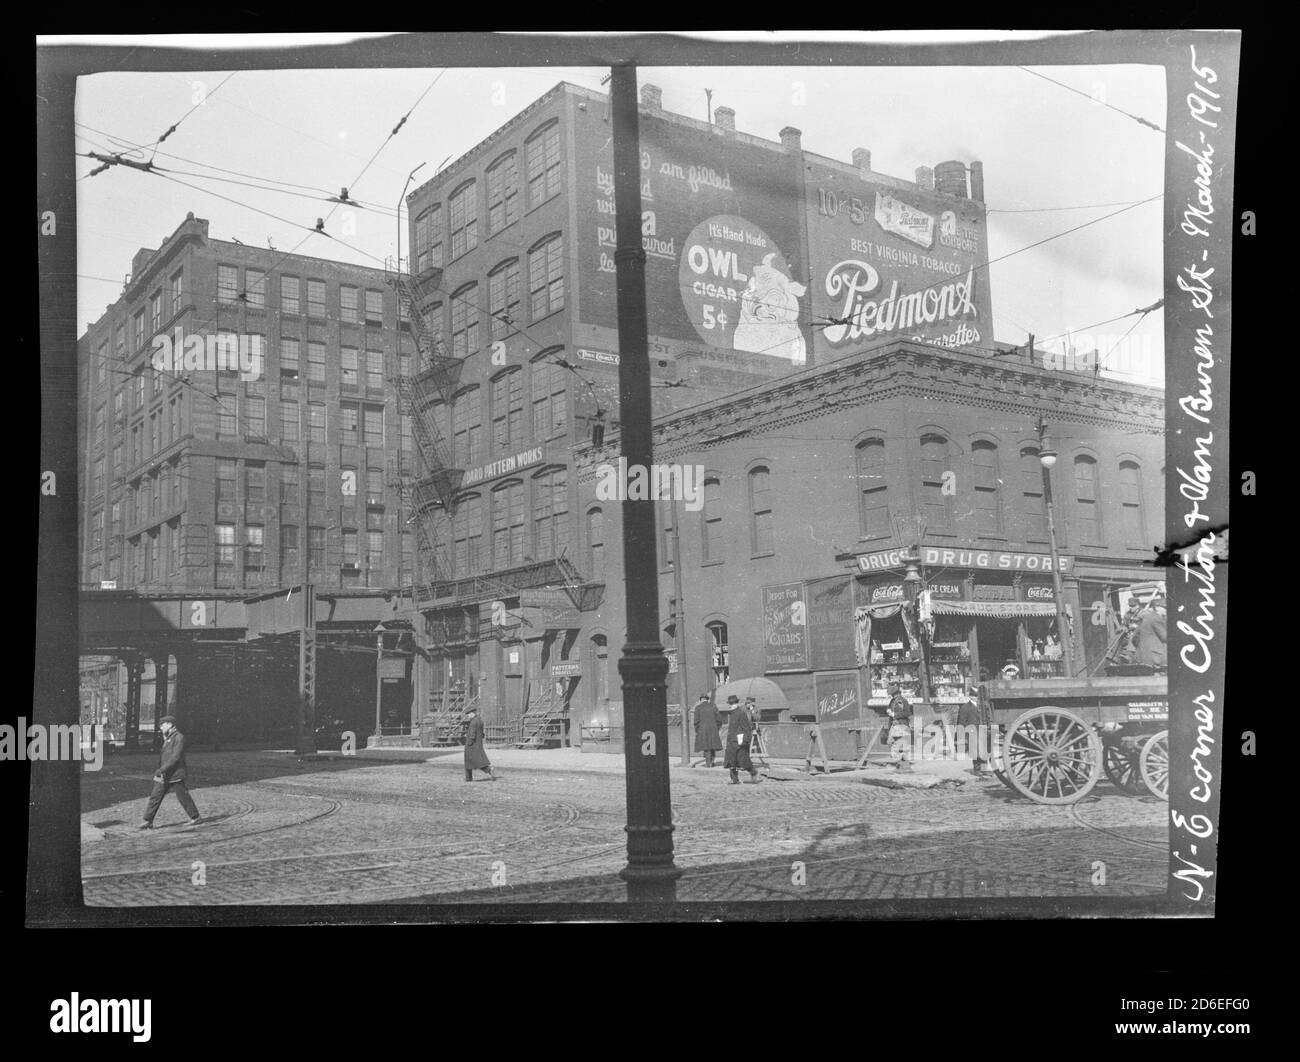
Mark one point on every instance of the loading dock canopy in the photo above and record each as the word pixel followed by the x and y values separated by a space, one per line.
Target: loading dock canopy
pixel 993 609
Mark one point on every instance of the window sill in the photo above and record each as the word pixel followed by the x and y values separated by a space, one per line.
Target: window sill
pixel 758 556
pixel 710 563
pixel 543 317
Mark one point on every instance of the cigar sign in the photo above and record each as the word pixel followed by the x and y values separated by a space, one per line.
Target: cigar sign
pixel 895 263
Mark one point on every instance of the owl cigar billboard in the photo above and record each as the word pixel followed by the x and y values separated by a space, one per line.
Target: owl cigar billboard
pixel 720 227
pixel 893 260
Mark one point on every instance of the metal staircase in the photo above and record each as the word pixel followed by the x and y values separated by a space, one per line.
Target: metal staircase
pixel 447 725
pixel 543 718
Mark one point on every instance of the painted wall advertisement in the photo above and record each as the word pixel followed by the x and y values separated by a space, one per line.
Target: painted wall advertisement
pixel 785 628
pixel 895 263
pixel 830 623
pixel 837 695
pixel 721 235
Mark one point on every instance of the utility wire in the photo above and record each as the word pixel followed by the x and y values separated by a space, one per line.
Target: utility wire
pixel 1088 96
pixel 177 124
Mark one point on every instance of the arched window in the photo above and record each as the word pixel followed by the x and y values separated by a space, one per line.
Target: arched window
pixel 711 521
pixel 1031 493
pixel 936 506
pixel 543 150
pixel 550 513
pixel 550 398
pixel 428 239
pixel 503 298
pixel 1130 503
pixel 719 653
pixel 596 544
pixel 600 672
pixel 503 192
pixel 873 488
pixel 546 276
pixel 988 499
pixel 760 509
pixel 467 534
pixel 464 321
pixel 462 215
pixel 508 525
pixel 1086 510
pixel 508 408
pixel 467 429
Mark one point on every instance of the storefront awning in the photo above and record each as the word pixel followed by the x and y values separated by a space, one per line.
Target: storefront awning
pixel 993 609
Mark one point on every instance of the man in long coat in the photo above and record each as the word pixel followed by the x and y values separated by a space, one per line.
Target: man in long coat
pixel 171 775
pixel 740 736
pixel 1151 637
pixel 707 722
pixel 475 754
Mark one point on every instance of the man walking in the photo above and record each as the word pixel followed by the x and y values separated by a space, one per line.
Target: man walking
pixel 476 758
pixel 971 735
pixel 900 728
pixel 740 735
pixel 171 775
pixel 707 722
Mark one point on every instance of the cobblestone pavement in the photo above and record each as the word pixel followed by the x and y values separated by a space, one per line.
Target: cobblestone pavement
pixel 281 831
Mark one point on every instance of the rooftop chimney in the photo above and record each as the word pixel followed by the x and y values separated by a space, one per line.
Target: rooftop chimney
pixel 977 181
pixel 141 259
pixel 862 159
pixel 652 96
pixel 950 179
pixel 925 177
pixel 792 138
pixel 725 118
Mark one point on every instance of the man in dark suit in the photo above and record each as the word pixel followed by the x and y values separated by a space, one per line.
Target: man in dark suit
pixel 707 724
pixel 476 758
pixel 171 775
pixel 740 736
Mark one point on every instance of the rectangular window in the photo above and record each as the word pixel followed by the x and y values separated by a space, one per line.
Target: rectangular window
pixel 374 549
pixel 178 487
pixel 227 284
pixel 99 425
pixel 712 522
pixel 289 552
pixel 374 518
pixel 97 477
pixel 550 514
pixel 138 322
pixel 289 419
pixel 290 295
pixel 174 538
pixel 315 361
pixel 348 367
pixel 227 408
pixel 503 300
pixel 760 507
pixel 315 422
pixel 349 307
pixel 508 409
pixel 255 483
pixel 316 487
pixel 225 480
pixel 544 165
pixel 374 483
pixel 289 486
pixel 350 556
pixel 347 425
pixel 428 240
pixel 255 286
pixel 255 417
pixel 467 430
pixel 374 307
pixel 374 370
pixel 546 277
pixel 225 545
pixel 119 342
pixel 503 193
pixel 463 215
pixel 97 529
pixel 288 355
pixel 373 423
pixel 176 291
pixel 155 311
pixel 988 505
pixel 508 525
pixel 316 298
pixel 254 552
pixel 117 458
pixel 155 437
pixel 316 547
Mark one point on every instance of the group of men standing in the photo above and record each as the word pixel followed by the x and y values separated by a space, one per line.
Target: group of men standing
pixel 742 724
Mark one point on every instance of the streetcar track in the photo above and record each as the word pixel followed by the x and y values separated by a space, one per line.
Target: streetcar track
pixel 1074 814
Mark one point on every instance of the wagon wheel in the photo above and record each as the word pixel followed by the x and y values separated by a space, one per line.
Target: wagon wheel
pixel 1051 756
pixel 1122 768
pixel 995 760
pixel 1154 763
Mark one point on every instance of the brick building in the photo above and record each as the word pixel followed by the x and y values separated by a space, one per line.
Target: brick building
pixel 202 478
pixel 813 487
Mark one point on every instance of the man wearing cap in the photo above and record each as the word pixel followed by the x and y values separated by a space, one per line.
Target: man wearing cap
pixel 476 758
pixel 707 722
pixel 969 721
pixel 900 727
pixel 740 735
pixel 751 709
pixel 171 775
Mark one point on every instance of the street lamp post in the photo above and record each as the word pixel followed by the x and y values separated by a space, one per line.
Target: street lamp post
pixel 650 873
pixel 1047 458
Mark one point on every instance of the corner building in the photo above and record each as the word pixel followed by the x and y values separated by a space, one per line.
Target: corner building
pixel 749 241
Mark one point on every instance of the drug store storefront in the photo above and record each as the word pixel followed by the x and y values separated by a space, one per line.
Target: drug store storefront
pixel 959 616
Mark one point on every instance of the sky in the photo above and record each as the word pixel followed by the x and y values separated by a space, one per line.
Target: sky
pixel 1054 159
